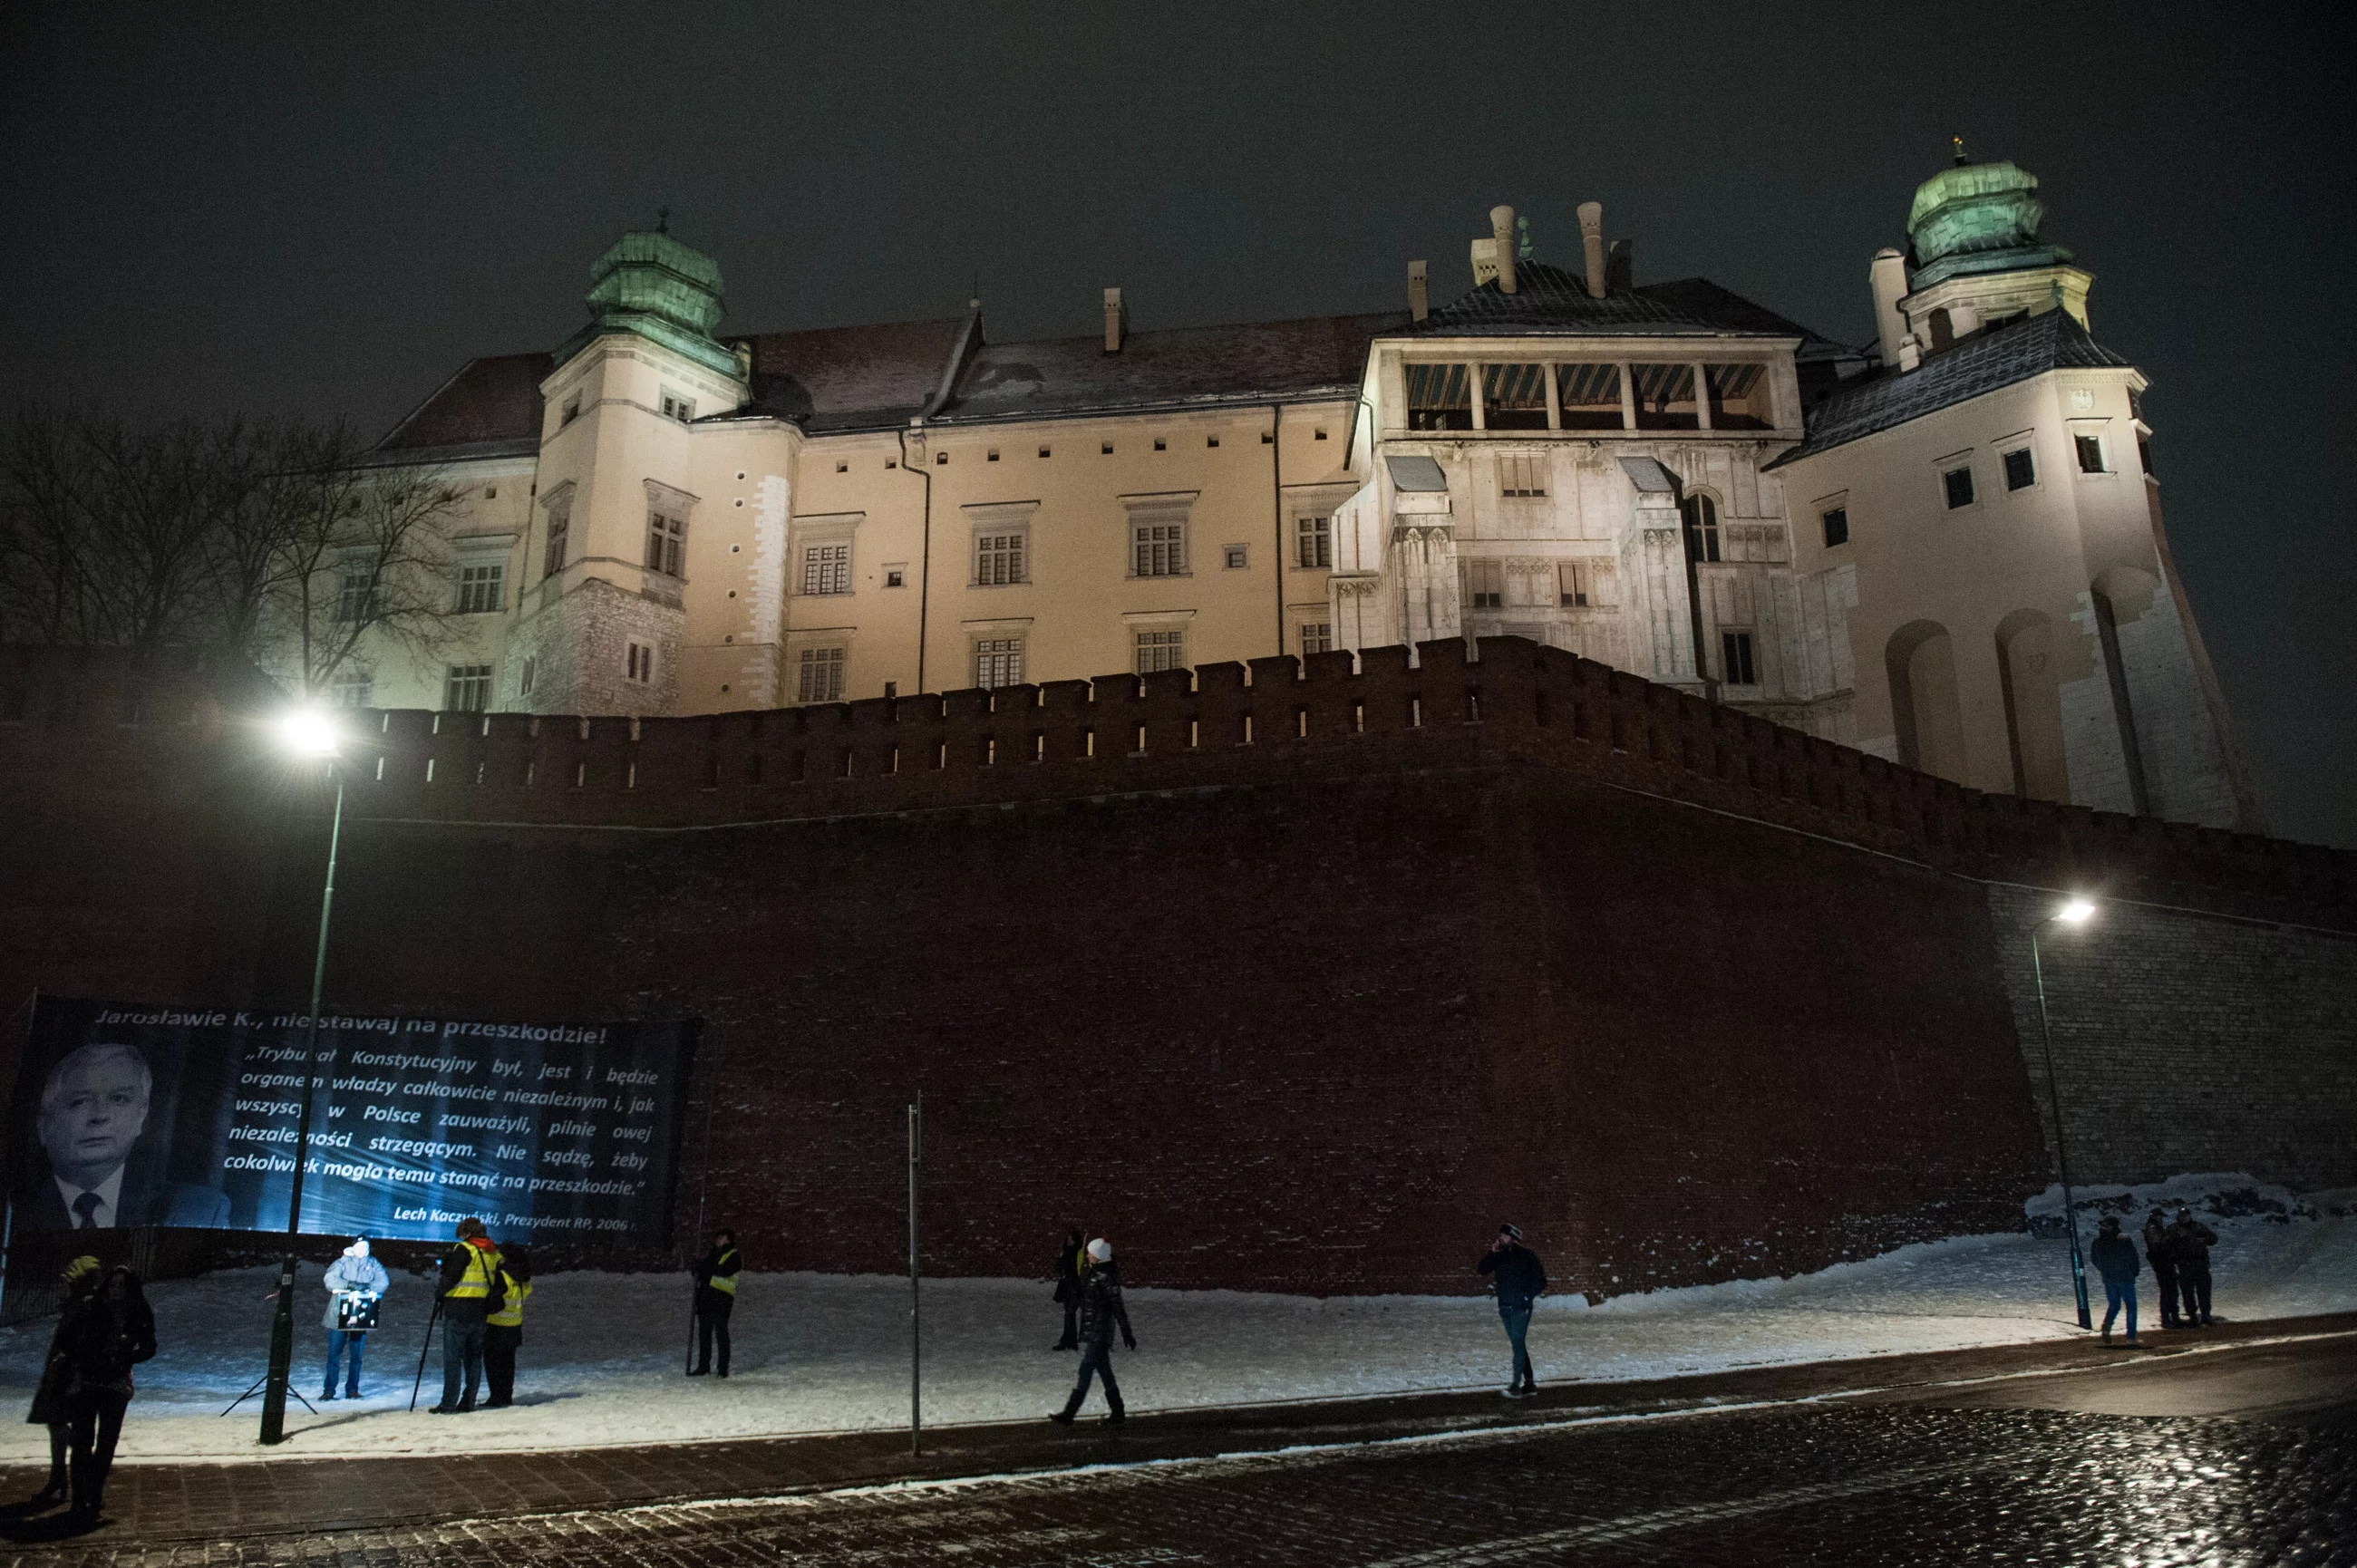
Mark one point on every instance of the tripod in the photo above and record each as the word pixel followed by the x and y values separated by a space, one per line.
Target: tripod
pixel 256 1389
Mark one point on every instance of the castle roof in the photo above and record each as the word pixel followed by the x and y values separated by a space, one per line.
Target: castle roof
pixel 1983 362
pixel 1550 301
pixel 489 409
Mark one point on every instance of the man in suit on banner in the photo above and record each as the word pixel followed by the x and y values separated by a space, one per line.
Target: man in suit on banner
pixel 94 1108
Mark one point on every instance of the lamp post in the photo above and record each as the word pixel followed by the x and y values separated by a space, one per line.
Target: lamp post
pixel 2072 913
pixel 309 734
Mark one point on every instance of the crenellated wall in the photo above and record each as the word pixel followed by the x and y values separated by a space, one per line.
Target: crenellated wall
pixel 1290 978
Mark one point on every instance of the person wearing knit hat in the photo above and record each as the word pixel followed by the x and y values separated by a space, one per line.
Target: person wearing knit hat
pixel 1519 1279
pixel 1101 1312
pixel 2114 1257
pixel 355 1284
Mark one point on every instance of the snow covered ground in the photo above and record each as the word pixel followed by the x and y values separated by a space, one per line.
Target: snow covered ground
pixel 603 1353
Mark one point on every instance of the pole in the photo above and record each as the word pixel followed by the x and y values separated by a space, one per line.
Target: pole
pixel 915 1363
pixel 282 1321
pixel 2062 1156
pixel 426 1349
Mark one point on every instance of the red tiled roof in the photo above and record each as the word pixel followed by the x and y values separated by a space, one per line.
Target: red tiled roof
pixel 494 398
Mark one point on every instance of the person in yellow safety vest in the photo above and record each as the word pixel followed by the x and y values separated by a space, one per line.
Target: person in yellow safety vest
pixel 503 1330
pixel 716 1298
pixel 468 1271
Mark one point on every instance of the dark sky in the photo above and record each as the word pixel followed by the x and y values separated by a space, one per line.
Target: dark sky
pixel 329 208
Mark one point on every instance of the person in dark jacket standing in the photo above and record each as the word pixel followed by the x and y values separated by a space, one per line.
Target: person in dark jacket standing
pixel 470 1273
pixel 101 1335
pixel 1072 1259
pixel 2193 1241
pixel 716 1298
pixel 1520 1279
pixel 2114 1257
pixel 1101 1312
pixel 81 1280
pixel 2160 1252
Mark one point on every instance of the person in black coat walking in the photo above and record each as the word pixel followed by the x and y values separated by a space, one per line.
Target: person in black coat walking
pixel 2114 1257
pixel 2160 1252
pixel 81 1280
pixel 2193 1240
pixel 101 1335
pixel 716 1300
pixel 1520 1279
pixel 1072 1259
pixel 1101 1312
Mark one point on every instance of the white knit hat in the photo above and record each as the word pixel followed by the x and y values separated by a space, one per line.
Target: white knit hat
pixel 359 1249
pixel 1100 1251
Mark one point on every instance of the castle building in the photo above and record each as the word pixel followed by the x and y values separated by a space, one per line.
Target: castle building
pixel 1944 548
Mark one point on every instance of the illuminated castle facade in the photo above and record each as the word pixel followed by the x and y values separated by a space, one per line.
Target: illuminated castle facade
pixel 1944 548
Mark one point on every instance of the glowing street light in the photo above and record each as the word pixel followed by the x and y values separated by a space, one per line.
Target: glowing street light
pixel 2073 912
pixel 311 735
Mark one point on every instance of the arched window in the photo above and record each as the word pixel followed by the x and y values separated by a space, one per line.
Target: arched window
pixel 1702 526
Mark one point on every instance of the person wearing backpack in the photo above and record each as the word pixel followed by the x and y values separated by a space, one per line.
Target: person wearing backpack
pixel 503 1330
pixel 471 1292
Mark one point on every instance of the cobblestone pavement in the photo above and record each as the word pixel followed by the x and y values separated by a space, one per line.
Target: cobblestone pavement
pixel 1829 1483
pixel 2061 1463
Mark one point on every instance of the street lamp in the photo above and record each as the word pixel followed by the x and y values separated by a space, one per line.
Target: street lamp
pixel 310 734
pixel 2072 913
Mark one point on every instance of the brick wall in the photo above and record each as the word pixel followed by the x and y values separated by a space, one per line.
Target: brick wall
pixel 2184 1042
pixel 1302 1005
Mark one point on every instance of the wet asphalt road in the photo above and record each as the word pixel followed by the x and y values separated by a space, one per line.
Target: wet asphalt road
pixel 2241 1455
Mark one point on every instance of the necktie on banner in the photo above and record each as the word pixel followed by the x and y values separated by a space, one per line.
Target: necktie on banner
pixel 85 1210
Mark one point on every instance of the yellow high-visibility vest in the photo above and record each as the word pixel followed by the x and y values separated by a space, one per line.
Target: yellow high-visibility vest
pixel 476 1283
pixel 725 1282
pixel 511 1315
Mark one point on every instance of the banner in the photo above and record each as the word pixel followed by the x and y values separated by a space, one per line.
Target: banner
pixel 129 1115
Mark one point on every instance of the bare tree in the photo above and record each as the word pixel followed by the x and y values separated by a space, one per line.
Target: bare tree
pixel 274 539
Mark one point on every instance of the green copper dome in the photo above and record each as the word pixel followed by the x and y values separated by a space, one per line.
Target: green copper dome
pixel 1975 207
pixel 649 271
pixel 650 284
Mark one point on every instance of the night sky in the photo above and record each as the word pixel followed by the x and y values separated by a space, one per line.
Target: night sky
pixel 272 209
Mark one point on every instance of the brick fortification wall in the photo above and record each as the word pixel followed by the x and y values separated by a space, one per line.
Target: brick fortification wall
pixel 1288 978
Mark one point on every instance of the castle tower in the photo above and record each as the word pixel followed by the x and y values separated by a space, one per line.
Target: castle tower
pixel 601 615
pixel 1975 257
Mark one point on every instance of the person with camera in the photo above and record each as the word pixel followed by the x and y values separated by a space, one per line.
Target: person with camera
pixel 356 1285
pixel 469 1281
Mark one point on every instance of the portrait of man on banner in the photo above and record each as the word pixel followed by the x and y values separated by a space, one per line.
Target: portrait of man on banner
pixel 90 1118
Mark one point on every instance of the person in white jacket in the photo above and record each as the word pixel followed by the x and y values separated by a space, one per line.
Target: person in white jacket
pixel 354 1281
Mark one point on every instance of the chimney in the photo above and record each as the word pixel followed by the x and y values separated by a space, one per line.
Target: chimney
pixel 1116 320
pixel 1502 234
pixel 1591 241
pixel 1910 355
pixel 1620 266
pixel 1419 298
pixel 1485 260
pixel 1888 277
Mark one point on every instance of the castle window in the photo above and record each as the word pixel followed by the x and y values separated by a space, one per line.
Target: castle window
pixel 2091 453
pixel 1001 558
pixel 552 560
pixel 1236 557
pixel 482 590
pixel 997 662
pixel 352 686
pixel 819 675
pixel 1958 484
pixel 2020 469
pixel 1161 649
pixel 1157 549
pixel 677 407
pixel 1575 585
pixel 524 681
pixel 1486 581
pixel 1317 636
pixel 467 689
pixel 1836 524
pixel 639 661
pixel 842 468
pixel 1735 659
pixel 360 597
pixel 572 412
pixel 826 569
pixel 666 544
pixel 1702 526
pixel 1313 541
pixel 895 576
pixel 1521 476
